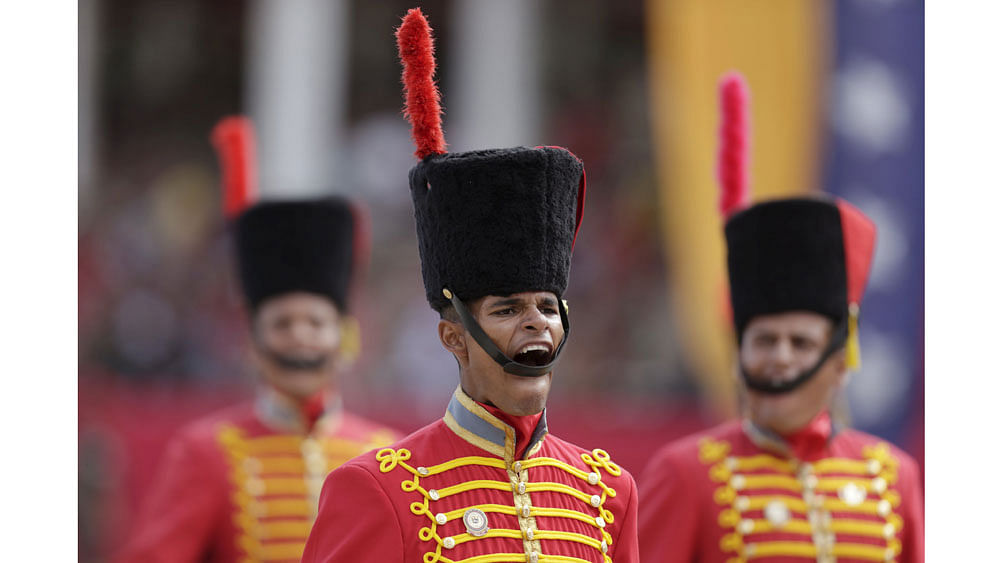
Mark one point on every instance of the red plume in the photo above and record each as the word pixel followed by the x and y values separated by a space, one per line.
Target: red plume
pixel 734 144
pixel 233 139
pixel 423 100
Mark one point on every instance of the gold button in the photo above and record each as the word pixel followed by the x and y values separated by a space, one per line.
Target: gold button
pixel 447 293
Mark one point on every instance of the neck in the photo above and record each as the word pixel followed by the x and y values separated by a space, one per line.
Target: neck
pixel 523 425
pixel 295 413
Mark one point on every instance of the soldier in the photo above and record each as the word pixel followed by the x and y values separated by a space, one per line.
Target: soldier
pixel 788 482
pixel 243 484
pixel 487 482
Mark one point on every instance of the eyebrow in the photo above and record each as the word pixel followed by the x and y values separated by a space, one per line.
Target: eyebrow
pixel 517 301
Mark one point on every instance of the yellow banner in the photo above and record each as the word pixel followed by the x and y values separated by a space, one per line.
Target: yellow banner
pixel 781 47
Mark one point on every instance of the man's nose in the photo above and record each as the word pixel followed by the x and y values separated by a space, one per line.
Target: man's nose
pixel 782 353
pixel 534 319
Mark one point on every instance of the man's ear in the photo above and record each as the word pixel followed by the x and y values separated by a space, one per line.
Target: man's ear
pixel 839 360
pixel 452 336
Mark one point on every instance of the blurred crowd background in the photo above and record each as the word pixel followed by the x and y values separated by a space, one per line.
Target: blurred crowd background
pixel 629 86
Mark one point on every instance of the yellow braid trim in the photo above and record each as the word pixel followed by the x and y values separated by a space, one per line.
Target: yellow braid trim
pixel 711 451
pixel 806 549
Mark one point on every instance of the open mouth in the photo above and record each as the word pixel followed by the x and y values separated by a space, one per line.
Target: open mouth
pixel 534 355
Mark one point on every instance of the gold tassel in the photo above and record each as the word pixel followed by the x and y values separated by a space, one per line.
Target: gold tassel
pixel 350 339
pixel 853 347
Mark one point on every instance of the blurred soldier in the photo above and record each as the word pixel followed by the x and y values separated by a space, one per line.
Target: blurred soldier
pixel 487 482
pixel 243 484
pixel 786 483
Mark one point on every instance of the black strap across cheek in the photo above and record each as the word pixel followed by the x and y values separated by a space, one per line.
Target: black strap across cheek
pixel 486 343
pixel 780 387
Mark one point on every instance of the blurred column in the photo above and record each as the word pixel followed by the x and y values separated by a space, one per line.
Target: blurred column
pixel 296 93
pixel 492 96
pixel 87 107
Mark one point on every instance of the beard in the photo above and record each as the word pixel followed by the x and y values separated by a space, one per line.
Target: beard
pixel 296 363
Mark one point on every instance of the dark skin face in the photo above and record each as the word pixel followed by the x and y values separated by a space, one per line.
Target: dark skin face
pixel 296 342
pixel 780 347
pixel 527 328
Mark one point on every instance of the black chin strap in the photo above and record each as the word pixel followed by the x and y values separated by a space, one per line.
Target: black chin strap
pixel 780 387
pixel 486 343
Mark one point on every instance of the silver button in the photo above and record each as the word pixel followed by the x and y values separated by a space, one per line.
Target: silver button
pixel 604 546
pixel 525 511
pixel 517 466
pixel 737 482
pixel 533 557
pixel 777 513
pixel 530 533
pixel 852 494
pixel 441 518
pixel 521 487
pixel 433 494
pixel 746 526
pixel 884 508
pixel 732 463
pixel 600 522
pixel 879 485
pixel 595 501
pixel 874 466
pixel 449 542
pixel 593 478
pixel 423 470
pixel 888 531
pixel 811 481
pixel 742 504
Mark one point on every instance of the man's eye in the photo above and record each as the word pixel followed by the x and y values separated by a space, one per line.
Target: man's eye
pixel 550 311
pixel 504 311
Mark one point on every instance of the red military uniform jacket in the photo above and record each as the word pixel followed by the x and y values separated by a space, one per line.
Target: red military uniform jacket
pixel 243 484
pixel 735 493
pixel 454 492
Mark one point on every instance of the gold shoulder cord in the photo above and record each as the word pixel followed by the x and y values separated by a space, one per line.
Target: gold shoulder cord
pixel 815 489
pixel 598 460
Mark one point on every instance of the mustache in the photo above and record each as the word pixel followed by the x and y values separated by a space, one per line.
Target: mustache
pixel 296 363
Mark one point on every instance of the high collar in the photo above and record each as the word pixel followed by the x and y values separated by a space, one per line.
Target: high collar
pixel 806 444
pixel 282 414
pixel 477 426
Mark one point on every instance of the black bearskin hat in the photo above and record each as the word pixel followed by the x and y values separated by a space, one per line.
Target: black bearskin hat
pixel 285 246
pixel 496 222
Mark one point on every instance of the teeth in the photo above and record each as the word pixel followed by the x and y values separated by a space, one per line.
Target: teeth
pixel 533 348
